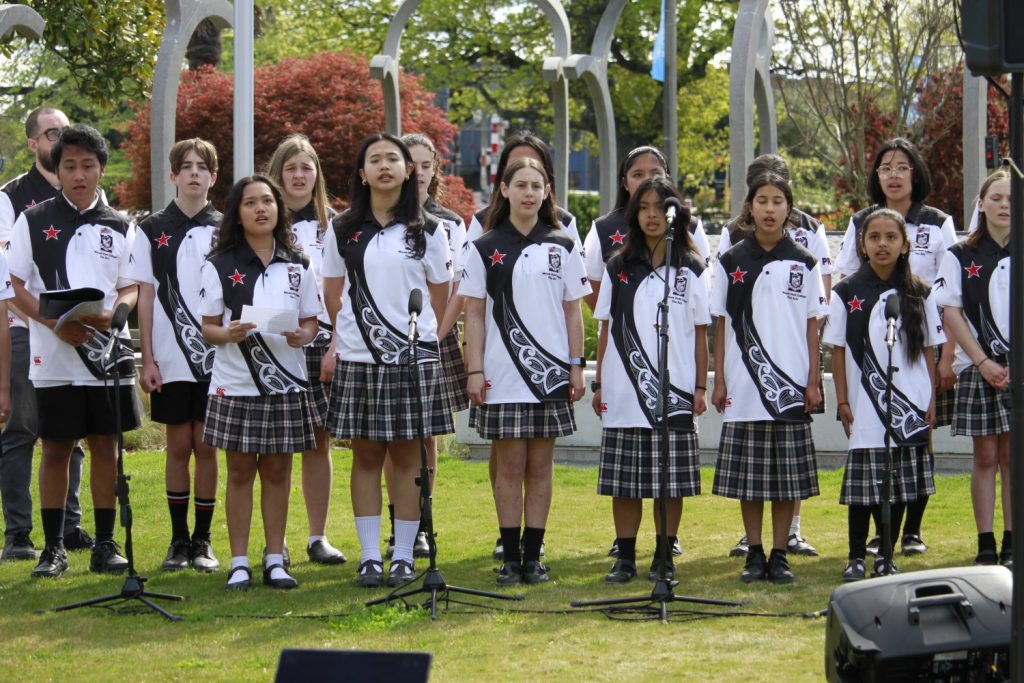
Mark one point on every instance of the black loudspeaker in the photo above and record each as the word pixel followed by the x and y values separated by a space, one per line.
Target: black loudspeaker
pixel 991 35
pixel 352 666
pixel 935 625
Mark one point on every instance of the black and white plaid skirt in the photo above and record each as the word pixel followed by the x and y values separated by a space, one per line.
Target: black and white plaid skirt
pixel 319 392
pixel 281 423
pixel 524 420
pixel 766 460
pixel 631 463
pixel 378 402
pixel 865 475
pixel 945 401
pixel 980 410
pixel 453 371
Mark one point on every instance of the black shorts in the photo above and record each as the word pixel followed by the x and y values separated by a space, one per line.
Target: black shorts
pixel 179 403
pixel 71 412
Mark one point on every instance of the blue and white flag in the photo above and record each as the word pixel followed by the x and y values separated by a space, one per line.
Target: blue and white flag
pixel 658 52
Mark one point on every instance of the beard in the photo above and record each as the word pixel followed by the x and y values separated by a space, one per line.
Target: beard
pixel 46 161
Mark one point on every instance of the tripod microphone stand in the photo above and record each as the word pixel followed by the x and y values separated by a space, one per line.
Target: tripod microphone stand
pixel 662 593
pixel 134 587
pixel 433 582
pixel 892 311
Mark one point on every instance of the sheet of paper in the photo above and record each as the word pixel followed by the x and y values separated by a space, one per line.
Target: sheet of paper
pixel 271 320
pixel 86 308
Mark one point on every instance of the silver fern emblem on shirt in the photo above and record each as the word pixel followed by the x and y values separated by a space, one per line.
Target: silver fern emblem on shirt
pixel 198 351
pixel 647 379
pixel 392 348
pixel 780 392
pixel 266 371
pixel 543 370
pixel 906 422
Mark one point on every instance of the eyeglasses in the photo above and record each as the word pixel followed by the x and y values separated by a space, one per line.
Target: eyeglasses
pixel 52 134
pixel 886 171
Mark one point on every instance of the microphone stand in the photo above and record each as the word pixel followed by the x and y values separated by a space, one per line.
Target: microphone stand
pixel 134 587
pixel 434 583
pixel 886 548
pixel 662 594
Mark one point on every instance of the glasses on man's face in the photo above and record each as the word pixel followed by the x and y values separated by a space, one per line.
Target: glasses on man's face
pixel 52 134
pixel 887 171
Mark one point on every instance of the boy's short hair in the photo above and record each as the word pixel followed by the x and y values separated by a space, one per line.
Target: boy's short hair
pixel 206 151
pixel 80 135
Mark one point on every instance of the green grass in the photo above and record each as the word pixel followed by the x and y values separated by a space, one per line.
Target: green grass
pixel 233 637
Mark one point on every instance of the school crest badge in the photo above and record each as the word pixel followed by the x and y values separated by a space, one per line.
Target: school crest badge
pixel 106 241
pixel 679 286
pixel 923 237
pixel 554 260
pixel 796 278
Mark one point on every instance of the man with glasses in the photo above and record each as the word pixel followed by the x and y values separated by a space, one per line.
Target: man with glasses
pixel 42 128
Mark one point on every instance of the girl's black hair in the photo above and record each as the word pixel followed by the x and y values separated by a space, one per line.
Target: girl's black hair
pixel 524 138
pixel 500 210
pixel 406 210
pixel 920 181
pixel 622 198
pixel 911 289
pixel 231 234
pixel 744 224
pixel 634 249
pixel 974 239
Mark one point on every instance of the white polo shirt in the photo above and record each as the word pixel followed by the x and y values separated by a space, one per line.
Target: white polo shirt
pixel 476 228
pixel 767 297
pixel 262 364
pixel 607 235
pixel 168 253
pixel 454 227
pixel 525 279
pixel 629 298
pixel 857 324
pixel 978 281
pixel 380 270
pixel 56 247
pixel 6 288
pixel 310 237
pixel 930 233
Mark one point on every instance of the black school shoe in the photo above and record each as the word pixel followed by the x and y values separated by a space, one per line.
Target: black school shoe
pixel 880 568
pixel 107 559
pixel 510 574
pixel 855 570
pixel 240 585
pixel 778 568
pixel 623 571
pixel 18 546
pixel 53 562
pixel 422 546
pixel 322 552
pixel 654 574
pixel 285 583
pixel 401 572
pixel 201 556
pixel 1006 557
pixel 370 574
pixel 78 539
pixel 178 556
pixel 756 567
pixel 988 556
pixel 534 572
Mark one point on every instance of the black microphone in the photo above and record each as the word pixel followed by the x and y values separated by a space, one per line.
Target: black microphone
pixel 671 206
pixel 892 311
pixel 117 321
pixel 415 306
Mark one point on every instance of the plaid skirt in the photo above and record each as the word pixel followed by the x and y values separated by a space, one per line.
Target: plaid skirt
pixel 378 402
pixel 980 410
pixel 524 420
pixel 319 392
pixel 944 400
pixel 453 371
pixel 865 475
pixel 281 423
pixel 766 460
pixel 631 463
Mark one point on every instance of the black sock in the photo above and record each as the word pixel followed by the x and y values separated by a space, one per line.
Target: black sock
pixel 391 516
pixel 53 526
pixel 532 538
pixel 204 515
pixel 859 521
pixel 177 505
pixel 1008 540
pixel 915 513
pixel 105 518
pixel 627 548
pixel 778 551
pixel 755 550
pixel 510 543
pixel 986 541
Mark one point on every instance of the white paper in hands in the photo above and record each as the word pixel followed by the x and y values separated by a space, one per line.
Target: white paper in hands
pixel 82 310
pixel 271 320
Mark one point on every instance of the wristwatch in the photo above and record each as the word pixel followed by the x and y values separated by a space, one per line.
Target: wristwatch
pixel 581 361
pixel 594 386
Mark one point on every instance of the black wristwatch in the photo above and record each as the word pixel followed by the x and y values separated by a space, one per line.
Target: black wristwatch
pixel 594 386
pixel 581 361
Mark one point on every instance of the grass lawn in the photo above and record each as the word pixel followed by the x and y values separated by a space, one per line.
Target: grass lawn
pixel 234 637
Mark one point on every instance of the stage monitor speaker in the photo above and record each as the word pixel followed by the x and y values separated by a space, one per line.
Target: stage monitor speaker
pixel 352 666
pixel 934 625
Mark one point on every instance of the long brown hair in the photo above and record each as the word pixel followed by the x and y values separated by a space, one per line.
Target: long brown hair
pixel 974 239
pixel 289 147
pixel 499 210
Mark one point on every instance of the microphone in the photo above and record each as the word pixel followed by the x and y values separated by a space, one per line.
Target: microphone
pixel 892 311
pixel 117 322
pixel 671 206
pixel 415 306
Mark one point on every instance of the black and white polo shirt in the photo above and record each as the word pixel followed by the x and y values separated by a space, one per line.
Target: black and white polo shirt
pixel 767 297
pixel 607 235
pixel 930 233
pixel 169 251
pixel 476 229
pixel 455 228
pixel 310 238
pixel 978 281
pixel 525 279
pixel 630 297
pixel 380 269
pixel 263 364
pixel 54 247
pixel 856 322
pixel 6 288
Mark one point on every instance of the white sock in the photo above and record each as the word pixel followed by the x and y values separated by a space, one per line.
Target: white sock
pixel 368 530
pixel 238 577
pixel 314 539
pixel 405 538
pixel 276 572
pixel 794 528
